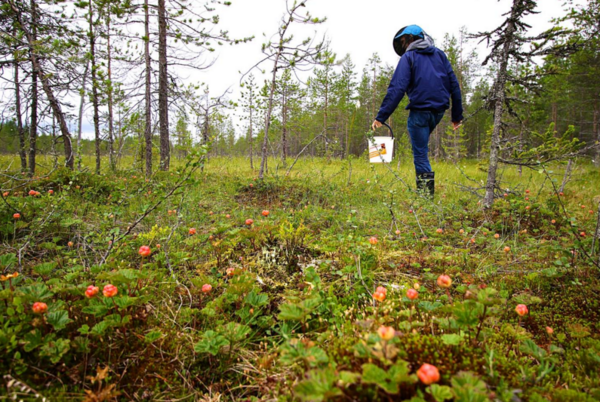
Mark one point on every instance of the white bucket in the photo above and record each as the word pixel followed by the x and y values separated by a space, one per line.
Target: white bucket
pixel 381 149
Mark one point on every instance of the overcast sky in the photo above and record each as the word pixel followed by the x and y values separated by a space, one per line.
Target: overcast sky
pixel 356 27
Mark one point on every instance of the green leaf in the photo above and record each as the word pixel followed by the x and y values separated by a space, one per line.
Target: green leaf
pixel 211 342
pixel 467 313
pixel 7 260
pixel 290 312
pixel 452 339
pixel 256 300
pixel 530 348
pixel 100 328
pixel 55 349
pixel 125 301
pixel 319 386
pixel 375 375
pixel 45 269
pixel 467 387
pixel 32 340
pixel 58 319
pixel 348 378
pixel 235 332
pixel 399 373
pixel 117 320
pixel 153 336
pixel 97 310
pixel 440 392
pixel 429 306
pixel 295 351
pixel 36 292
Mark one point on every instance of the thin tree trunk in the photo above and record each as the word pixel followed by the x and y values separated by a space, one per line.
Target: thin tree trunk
pixel 325 118
pixel 284 130
pixel 111 150
pixel 346 133
pixel 596 129
pixel 521 149
pixel 373 90
pixel 438 143
pixel 597 233
pixel 96 116
pixel 22 153
pixel 37 68
pixel 148 111
pixel 566 176
pixel 205 134
pixel 80 118
pixel 163 87
pixel 251 140
pixel 34 94
pixel 263 160
pixel 499 96
pixel 555 116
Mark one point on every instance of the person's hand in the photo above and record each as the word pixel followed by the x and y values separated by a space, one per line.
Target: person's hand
pixel 376 124
pixel 456 124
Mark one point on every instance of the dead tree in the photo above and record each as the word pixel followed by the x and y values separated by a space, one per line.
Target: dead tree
pixel 508 44
pixel 286 55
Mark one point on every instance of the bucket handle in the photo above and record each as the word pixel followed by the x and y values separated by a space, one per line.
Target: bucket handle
pixel 389 128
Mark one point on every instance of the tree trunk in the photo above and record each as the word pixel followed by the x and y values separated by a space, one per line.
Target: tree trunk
pixel 22 153
pixel 555 116
pixel 596 130
pixel 597 233
pixel 163 87
pixel 148 106
pixel 521 148
pixel 499 97
pixel 80 119
pixel 325 118
pixel 250 134
pixel 284 130
pixel 263 160
pixel 34 94
pixel 566 176
pixel 111 149
pixel 38 70
pixel 96 116
pixel 438 143
pixel 205 134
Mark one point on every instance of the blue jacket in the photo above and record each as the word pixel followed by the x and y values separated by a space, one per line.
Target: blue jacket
pixel 427 76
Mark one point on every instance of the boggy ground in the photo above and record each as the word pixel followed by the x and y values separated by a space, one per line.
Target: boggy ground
pixel 310 299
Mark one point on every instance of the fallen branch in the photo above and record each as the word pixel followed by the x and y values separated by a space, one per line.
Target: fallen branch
pixel 301 152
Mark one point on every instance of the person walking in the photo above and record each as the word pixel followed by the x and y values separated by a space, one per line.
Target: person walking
pixel 425 74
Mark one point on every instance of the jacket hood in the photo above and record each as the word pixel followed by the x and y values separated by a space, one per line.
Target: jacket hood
pixel 424 45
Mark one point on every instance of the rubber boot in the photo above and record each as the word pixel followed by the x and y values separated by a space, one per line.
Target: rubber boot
pixel 426 184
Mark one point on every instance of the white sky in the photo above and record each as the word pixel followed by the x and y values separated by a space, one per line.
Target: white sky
pixel 357 27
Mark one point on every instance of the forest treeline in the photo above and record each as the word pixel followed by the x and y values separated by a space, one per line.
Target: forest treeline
pixel 121 65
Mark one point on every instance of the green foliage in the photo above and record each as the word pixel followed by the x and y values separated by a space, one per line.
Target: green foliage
pixel 389 380
pixel 297 304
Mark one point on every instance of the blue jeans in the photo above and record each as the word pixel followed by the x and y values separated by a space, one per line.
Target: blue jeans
pixel 420 125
